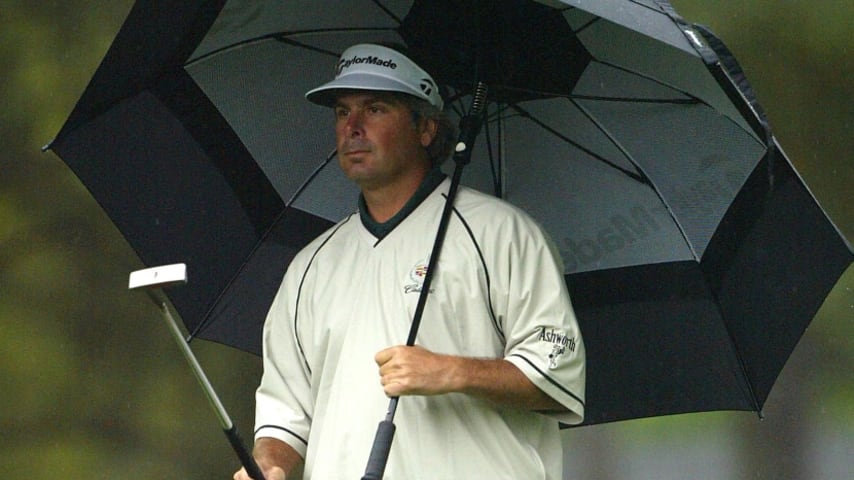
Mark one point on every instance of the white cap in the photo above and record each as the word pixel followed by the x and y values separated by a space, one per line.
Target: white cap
pixel 374 67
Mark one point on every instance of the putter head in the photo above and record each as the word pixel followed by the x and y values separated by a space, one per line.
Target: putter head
pixel 158 277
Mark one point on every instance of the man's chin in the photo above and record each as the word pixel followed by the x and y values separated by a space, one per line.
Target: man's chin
pixel 360 176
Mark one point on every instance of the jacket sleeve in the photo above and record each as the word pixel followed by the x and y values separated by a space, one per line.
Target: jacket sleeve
pixel 283 407
pixel 542 335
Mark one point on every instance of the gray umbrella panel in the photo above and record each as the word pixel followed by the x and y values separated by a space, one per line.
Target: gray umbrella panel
pixel 674 176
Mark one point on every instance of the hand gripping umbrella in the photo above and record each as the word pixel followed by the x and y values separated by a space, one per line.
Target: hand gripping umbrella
pixel 694 253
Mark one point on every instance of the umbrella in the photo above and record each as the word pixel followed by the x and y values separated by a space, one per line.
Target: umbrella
pixel 694 253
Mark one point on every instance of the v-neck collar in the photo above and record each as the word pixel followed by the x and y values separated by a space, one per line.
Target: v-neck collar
pixel 380 230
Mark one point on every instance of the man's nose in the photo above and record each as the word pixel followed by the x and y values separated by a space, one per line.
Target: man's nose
pixel 355 123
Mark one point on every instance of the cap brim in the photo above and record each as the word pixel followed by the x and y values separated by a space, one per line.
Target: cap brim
pixel 325 94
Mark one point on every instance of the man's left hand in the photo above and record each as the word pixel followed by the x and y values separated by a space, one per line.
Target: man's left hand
pixel 415 371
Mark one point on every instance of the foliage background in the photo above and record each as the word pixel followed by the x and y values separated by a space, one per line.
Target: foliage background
pixel 91 386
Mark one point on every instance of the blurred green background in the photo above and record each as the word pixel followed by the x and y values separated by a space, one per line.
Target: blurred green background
pixel 92 386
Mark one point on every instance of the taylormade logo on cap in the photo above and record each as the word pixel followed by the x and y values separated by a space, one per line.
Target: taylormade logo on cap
pixel 376 68
pixel 345 63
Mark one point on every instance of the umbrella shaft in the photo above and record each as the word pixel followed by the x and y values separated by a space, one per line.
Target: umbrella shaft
pixel 469 127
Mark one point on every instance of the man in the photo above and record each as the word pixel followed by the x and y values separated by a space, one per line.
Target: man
pixel 499 358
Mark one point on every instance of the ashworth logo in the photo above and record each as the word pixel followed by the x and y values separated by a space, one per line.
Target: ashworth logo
pixel 560 344
pixel 346 63
pixel 416 275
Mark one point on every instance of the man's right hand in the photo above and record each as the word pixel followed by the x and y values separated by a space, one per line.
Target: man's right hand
pixel 273 473
pixel 276 459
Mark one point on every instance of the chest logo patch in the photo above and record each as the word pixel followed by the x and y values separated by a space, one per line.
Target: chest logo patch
pixel 416 277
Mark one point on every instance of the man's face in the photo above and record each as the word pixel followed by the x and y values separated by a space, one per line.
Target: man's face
pixel 378 141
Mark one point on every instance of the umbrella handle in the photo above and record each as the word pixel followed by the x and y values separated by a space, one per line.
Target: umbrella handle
pixel 379 451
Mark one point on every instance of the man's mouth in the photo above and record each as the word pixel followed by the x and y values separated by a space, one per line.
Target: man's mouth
pixel 355 148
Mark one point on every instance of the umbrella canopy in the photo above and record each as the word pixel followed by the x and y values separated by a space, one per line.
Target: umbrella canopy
pixel 694 253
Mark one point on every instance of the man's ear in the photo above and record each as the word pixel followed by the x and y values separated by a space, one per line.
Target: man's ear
pixel 429 127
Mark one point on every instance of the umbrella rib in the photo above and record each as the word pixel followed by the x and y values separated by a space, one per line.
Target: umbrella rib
pixel 646 179
pixel 641 177
pixel 633 175
pixel 207 317
pixel 388 12
pixel 688 100
pixel 495 163
pixel 311 178
pixel 283 37
pixel 586 25
pixel 546 94
pixel 670 101
pixel 654 80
